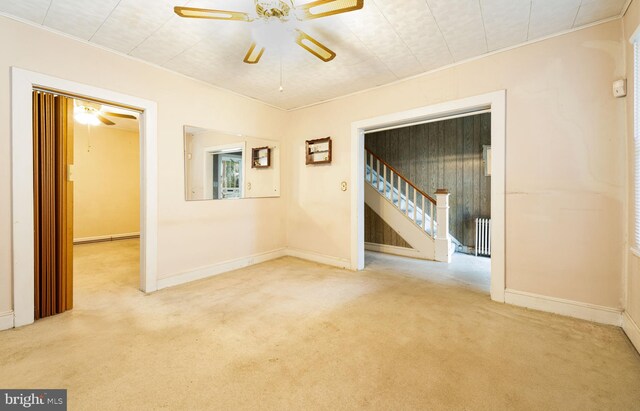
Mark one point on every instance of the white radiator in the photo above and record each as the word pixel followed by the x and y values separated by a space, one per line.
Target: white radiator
pixel 483 236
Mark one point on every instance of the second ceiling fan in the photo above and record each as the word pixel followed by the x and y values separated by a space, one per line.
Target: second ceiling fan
pixel 280 11
pixel 94 114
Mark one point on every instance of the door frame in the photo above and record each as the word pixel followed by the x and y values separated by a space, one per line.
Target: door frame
pixel 22 84
pixel 240 180
pixel 494 101
pixel 219 149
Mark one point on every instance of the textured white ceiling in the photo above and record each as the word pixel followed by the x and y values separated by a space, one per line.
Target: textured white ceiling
pixel 385 41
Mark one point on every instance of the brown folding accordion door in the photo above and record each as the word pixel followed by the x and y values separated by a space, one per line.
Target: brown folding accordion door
pixel 53 203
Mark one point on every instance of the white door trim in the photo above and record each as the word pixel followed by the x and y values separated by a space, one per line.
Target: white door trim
pixel 22 83
pixel 496 101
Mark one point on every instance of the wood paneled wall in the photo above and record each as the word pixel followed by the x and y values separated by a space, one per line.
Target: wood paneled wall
pixel 445 154
pixel 378 232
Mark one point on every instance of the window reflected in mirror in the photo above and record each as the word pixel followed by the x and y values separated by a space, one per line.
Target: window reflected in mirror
pixel 226 181
pixel 222 166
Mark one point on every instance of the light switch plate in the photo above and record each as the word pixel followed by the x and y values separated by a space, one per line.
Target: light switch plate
pixel 70 170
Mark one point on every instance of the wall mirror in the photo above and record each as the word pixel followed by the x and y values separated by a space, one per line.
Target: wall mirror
pixel 223 166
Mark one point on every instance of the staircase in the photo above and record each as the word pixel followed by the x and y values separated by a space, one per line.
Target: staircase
pixel 411 212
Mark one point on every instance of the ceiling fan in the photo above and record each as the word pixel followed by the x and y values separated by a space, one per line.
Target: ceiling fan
pixel 280 11
pixel 87 113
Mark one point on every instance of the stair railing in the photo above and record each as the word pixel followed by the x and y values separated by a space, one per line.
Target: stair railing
pixel 383 176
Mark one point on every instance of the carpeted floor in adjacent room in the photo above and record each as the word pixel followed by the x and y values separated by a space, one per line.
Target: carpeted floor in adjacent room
pixel 290 334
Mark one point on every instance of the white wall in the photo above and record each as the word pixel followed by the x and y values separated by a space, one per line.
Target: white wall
pixel 185 229
pixel 564 164
pixel 106 181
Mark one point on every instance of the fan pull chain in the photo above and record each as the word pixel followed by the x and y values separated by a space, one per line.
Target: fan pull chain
pixel 88 138
pixel 281 88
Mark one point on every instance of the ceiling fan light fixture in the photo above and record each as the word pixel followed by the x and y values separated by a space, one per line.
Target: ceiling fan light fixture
pixel 272 33
pixel 272 22
pixel 85 115
pixel 271 4
pixel 279 9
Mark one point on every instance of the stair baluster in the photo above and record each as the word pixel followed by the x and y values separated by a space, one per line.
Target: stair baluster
pixel 424 214
pixel 433 225
pixel 381 175
pixel 384 179
pixel 406 201
pixel 415 207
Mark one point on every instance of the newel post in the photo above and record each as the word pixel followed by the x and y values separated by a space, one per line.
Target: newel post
pixel 443 239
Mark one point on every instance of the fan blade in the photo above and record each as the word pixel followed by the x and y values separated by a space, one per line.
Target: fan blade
pixel 314 47
pixel 191 12
pixel 121 115
pixel 105 121
pixel 323 8
pixel 253 55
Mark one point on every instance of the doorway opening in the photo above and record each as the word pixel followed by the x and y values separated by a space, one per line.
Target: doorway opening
pixel 227 177
pixel 86 172
pixel 106 200
pixel 223 172
pixel 23 83
pixel 363 172
pixel 451 154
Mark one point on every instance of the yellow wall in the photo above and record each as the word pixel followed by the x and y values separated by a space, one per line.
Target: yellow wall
pixel 565 161
pixel 631 23
pixel 106 188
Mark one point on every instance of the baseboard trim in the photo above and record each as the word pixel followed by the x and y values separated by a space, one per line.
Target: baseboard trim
pixel 632 330
pixel 6 320
pixel 392 249
pixel 569 308
pixel 109 237
pixel 318 258
pixel 219 268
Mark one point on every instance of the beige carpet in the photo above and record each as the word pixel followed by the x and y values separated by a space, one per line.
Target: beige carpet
pixel 289 334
